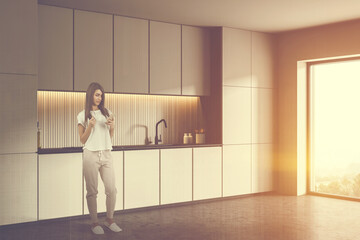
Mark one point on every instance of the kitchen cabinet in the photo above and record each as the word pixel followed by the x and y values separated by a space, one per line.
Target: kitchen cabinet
pixel 236 57
pixel 262 115
pixel 131 55
pixel 18 188
pixel 207 172
pixel 55 48
pixel 176 175
pixel 262 168
pixel 93 50
pixel 19 115
pixel 141 178
pixel 236 115
pixel 19 40
pixel 195 61
pixel 60 185
pixel 236 170
pixel 263 60
pixel 165 58
pixel 101 197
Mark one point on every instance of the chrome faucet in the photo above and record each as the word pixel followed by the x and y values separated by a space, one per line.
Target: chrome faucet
pixel 157 140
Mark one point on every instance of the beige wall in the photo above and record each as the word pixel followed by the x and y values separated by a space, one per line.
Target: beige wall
pixel 319 42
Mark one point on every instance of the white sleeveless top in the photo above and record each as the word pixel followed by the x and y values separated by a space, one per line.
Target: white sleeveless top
pixel 99 138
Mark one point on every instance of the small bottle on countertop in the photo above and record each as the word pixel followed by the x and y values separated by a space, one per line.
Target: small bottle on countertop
pixel 190 138
pixel 186 138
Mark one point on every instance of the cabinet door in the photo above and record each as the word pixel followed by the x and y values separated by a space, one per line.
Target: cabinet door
pixel 60 185
pixel 55 48
pixel 165 58
pixel 262 168
pixel 176 175
pixel 131 55
pixel 18 188
pixel 236 115
pixel 101 197
pixel 93 50
pixel 141 176
pixel 263 60
pixel 18 109
pixel 195 61
pixel 236 57
pixel 236 170
pixel 262 115
pixel 18 41
pixel 207 172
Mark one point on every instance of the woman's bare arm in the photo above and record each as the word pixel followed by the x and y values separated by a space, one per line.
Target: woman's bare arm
pixel 85 133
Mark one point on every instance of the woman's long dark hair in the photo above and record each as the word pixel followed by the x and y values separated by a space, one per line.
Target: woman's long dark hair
pixel 90 100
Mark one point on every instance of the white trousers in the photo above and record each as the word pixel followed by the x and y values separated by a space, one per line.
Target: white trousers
pixel 93 163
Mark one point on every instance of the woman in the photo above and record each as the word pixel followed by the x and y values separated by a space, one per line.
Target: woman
pixel 96 128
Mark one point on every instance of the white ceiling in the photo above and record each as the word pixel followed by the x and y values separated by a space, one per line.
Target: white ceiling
pixel 255 15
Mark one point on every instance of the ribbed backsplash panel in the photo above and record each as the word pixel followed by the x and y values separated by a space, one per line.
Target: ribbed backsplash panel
pixel 135 117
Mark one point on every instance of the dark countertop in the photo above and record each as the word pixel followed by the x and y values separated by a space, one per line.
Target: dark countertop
pixel 125 148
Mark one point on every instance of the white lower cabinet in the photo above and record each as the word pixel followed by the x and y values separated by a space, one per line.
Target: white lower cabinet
pixel 236 170
pixel 141 179
pixel 176 175
pixel 101 197
pixel 207 172
pixel 60 185
pixel 262 168
pixel 18 188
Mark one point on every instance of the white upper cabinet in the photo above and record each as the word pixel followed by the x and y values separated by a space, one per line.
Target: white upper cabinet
pixel 93 50
pixel 55 48
pixel 18 36
pixel 236 57
pixel 131 55
pixel 195 61
pixel 123 54
pixel 262 60
pixel 165 58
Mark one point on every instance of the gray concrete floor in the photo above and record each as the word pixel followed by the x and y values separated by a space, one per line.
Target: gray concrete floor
pixel 255 217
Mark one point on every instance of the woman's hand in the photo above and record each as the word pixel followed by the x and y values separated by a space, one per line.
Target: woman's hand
pixel 110 122
pixel 92 122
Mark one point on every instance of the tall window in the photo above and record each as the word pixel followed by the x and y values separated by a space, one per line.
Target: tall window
pixel 334 117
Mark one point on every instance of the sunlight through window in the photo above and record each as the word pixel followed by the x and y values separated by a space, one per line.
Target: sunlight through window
pixel 335 128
